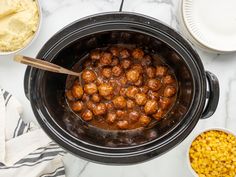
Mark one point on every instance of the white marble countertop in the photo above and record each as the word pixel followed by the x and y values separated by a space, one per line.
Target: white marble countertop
pixel 57 14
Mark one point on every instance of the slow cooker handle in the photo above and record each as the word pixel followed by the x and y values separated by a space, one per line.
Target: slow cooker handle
pixel 212 95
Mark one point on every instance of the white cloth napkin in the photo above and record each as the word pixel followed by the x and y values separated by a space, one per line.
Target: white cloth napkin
pixel 25 150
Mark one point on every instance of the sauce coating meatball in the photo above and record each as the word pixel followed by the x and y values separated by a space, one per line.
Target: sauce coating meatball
pixel 88 76
pixel 159 114
pixel 168 79
pixel 77 106
pixel 106 58
pixel 161 71
pixel 77 91
pixel 130 104
pixel 134 116
pixel 137 53
pixel 146 60
pixel 105 89
pixel 125 63
pixel 131 91
pixel 154 84
pixel 169 91
pixel 99 109
pixel 111 118
pixel 123 124
pixel 69 95
pixel 164 102
pixel 141 98
pixel 132 75
pixel 106 72
pixel 87 115
pixel 151 72
pixel 95 55
pixel 150 107
pixel 116 70
pixel 90 88
pixel 96 98
pixel 119 102
pixel 124 53
pixel 144 120
pixel 114 51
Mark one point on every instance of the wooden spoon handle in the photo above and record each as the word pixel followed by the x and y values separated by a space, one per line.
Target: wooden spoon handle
pixel 44 65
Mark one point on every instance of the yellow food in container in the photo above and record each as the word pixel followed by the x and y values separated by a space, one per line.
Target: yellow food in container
pixel 213 154
pixel 19 20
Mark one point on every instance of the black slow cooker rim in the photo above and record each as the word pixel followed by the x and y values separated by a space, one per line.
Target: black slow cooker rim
pixel 199 64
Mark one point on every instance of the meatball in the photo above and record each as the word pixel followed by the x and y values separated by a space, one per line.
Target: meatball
pixel 90 105
pixel 133 116
pixel 114 51
pixel 69 95
pixel 99 80
pixel 161 71
pixel 164 103
pixel 95 55
pixel 109 105
pixel 99 109
pixel 130 104
pixel 77 91
pixel 123 124
pixel 137 53
pixel 125 63
pixel 169 91
pixel 105 89
pixel 119 102
pixel 88 76
pixel 111 118
pixel 77 106
pixel 131 91
pixel 144 120
pixel 150 107
pixel 124 53
pixel 120 113
pixel 151 72
pixel 158 115
pixel 90 88
pixel 168 79
pixel 106 58
pixel 153 95
pixel 139 82
pixel 123 91
pixel 116 70
pixel 87 115
pixel 141 99
pixel 115 61
pixel 123 80
pixel 144 89
pixel 106 72
pixel 146 60
pixel 96 98
pixel 137 67
pixel 85 97
pixel 132 75
pixel 154 84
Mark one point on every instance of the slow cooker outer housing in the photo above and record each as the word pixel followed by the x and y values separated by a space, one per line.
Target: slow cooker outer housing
pixel 127 22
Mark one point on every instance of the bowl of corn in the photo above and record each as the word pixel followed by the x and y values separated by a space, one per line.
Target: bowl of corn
pixel 212 153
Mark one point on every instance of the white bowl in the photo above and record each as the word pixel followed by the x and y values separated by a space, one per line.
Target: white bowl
pixel 34 36
pixel 203 131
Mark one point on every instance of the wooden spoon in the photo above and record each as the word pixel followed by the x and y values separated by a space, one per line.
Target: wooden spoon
pixel 45 65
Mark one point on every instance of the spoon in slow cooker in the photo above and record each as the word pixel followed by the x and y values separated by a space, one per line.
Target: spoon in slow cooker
pixel 45 65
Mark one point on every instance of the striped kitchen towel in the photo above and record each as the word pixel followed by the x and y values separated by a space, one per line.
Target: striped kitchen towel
pixel 25 150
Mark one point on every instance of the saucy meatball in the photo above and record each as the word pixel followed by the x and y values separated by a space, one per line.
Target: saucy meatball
pixel 150 107
pixel 153 95
pixel 146 60
pixel 137 53
pixel 141 98
pixel 105 89
pixel 88 76
pixel 134 116
pixel 151 72
pixel 106 72
pixel 69 95
pixel 154 84
pixel 114 51
pixel 99 109
pixel 169 91
pixel 137 67
pixel 164 102
pixel 168 79
pixel 161 71
pixel 144 89
pixel 95 55
pixel 87 115
pixel 119 102
pixel 90 88
pixel 122 91
pixel 77 91
pixel 123 80
pixel 159 114
pixel 125 63
pixel 123 124
pixel 111 118
pixel 115 61
pixel 139 82
pixel 116 71
pixel 120 113
pixel 124 53
pixel 85 97
pixel 144 120
pixel 132 75
pixel 96 98
pixel 77 106
pixel 106 58
pixel 131 91
pixel 109 105
pixel 90 105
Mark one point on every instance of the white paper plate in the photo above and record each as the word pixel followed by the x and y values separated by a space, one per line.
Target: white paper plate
pixel 212 23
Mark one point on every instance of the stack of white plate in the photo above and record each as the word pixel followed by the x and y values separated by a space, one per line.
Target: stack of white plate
pixel 209 24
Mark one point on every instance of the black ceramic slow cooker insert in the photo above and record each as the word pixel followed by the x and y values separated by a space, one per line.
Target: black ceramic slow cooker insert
pixel 45 90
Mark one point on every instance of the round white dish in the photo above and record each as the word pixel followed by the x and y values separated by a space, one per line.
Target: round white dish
pixel 205 130
pixel 33 38
pixel 211 24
